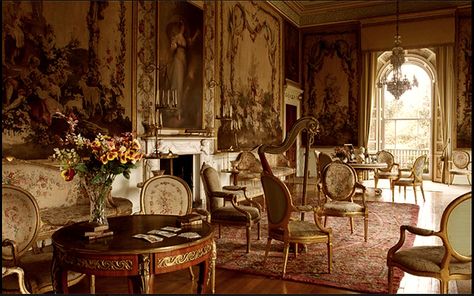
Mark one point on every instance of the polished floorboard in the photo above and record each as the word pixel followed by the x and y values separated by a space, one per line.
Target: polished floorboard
pixel 437 196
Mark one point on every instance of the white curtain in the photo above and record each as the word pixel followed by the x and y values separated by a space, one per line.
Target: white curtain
pixel 444 92
pixel 368 91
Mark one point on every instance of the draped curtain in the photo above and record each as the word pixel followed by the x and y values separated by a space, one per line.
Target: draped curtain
pixel 368 91
pixel 444 93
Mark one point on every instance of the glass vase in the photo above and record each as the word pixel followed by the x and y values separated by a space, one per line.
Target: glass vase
pixel 97 194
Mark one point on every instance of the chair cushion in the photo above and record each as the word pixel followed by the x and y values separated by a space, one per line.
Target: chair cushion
pixel 460 172
pixel 381 174
pixel 299 230
pixel 404 182
pixel 428 258
pixel 230 214
pixel 343 206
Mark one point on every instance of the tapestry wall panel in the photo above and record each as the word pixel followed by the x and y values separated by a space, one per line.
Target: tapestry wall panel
pixel 463 108
pixel 68 56
pixel 292 52
pixel 250 74
pixel 331 78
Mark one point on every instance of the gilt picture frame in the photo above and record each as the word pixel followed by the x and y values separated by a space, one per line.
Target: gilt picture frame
pixel 81 65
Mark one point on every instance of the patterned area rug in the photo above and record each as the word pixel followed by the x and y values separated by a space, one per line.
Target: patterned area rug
pixel 357 265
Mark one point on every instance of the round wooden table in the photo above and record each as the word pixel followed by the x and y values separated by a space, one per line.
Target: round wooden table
pixel 137 259
pixel 360 168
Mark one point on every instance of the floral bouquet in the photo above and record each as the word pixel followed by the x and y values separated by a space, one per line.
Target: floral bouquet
pixel 97 162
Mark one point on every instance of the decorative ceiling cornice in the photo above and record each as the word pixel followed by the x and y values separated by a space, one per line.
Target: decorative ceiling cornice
pixel 310 13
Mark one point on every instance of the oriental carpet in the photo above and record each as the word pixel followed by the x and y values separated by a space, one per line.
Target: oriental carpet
pixel 357 265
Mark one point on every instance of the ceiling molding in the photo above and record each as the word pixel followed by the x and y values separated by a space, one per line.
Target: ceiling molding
pixel 310 13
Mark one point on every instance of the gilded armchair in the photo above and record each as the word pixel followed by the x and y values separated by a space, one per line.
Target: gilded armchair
pixel 411 177
pixel 391 171
pixel 459 165
pixel 336 195
pixel 449 261
pixel 282 227
pixel 20 227
pixel 224 207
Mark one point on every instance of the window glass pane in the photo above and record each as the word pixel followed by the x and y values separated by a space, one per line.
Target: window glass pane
pixel 389 134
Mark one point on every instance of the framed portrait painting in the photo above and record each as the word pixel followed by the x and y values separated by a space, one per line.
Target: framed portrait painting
pixel 81 64
pixel 180 62
pixel 292 52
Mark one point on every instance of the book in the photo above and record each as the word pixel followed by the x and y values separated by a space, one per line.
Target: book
pixel 191 224
pixel 189 218
pixel 96 235
pixel 94 227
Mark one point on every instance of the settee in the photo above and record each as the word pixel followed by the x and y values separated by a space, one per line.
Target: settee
pixel 248 167
pixel 60 202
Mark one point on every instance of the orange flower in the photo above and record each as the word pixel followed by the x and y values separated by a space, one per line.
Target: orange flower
pixel 103 159
pixel 111 155
pixel 68 174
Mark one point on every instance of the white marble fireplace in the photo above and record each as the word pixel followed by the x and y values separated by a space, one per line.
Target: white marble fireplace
pixel 199 147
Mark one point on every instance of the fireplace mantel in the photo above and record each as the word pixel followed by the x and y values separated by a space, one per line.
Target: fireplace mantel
pixel 201 147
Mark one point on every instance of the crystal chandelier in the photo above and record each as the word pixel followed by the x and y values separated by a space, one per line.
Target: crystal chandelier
pixel 399 83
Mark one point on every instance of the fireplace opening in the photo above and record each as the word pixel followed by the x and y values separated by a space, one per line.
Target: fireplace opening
pixel 182 167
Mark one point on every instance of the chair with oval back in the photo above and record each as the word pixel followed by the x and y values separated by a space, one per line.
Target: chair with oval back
pixel 168 195
pixel 411 177
pixel 459 162
pixel 20 227
pixel 450 261
pixel 336 194
pixel 390 172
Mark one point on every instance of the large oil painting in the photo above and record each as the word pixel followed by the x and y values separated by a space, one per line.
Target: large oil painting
pixel 331 73
pixel 463 106
pixel 180 63
pixel 292 52
pixel 73 57
pixel 250 75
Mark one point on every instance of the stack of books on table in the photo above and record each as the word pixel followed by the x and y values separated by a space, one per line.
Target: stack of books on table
pixel 190 220
pixel 94 231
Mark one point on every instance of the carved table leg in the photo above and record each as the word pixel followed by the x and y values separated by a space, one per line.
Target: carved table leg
pixel 212 269
pixel 145 275
pixel 58 275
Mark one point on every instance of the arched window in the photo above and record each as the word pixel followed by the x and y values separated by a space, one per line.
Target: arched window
pixel 405 126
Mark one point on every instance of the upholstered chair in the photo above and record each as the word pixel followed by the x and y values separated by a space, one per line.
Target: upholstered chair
pixel 168 195
pixel 450 260
pixel 390 172
pixel 410 177
pixel 283 227
pixel 322 159
pixel 224 207
pixel 20 227
pixel 459 165
pixel 336 194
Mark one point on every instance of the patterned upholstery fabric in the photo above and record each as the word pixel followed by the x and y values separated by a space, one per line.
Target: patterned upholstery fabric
pixel 343 206
pixel 60 202
pixel 385 157
pixel 20 220
pixel 460 159
pixel 211 178
pixel 428 258
pixel 339 181
pixel 229 213
pixel 166 195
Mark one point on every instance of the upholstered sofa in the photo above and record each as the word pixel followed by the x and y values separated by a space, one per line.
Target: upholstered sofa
pixel 249 167
pixel 60 202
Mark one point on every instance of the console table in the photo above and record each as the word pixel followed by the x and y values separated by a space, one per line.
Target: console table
pixel 126 256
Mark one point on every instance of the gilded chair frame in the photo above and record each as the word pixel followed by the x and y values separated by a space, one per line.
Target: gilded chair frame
pixel 228 196
pixel 410 177
pixel 280 209
pixel 322 159
pixel 384 156
pixel 459 165
pixel 282 227
pixel 13 251
pixel 341 202
pixel 8 271
pixel 444 275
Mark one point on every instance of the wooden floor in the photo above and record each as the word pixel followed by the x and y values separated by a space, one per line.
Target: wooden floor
pixel 231 282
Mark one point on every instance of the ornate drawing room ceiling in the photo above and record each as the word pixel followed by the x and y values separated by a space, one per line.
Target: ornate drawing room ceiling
pixel 316 12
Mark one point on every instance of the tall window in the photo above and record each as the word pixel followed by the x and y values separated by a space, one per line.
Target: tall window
pixel 404 126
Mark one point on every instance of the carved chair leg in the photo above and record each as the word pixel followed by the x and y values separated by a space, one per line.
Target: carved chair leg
pixel 248 238
pixel 329 256
pixel 405 192
pixel 390 280
pixel 422 192
pixel 219 231
pixel 414 192
pixel 92 284
pixel 392 188
pixel 351 220
pixel 258 230
pixel 286 249
pixel 366 228
pixel 376 180
pixel 443 287
pixel 267 249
